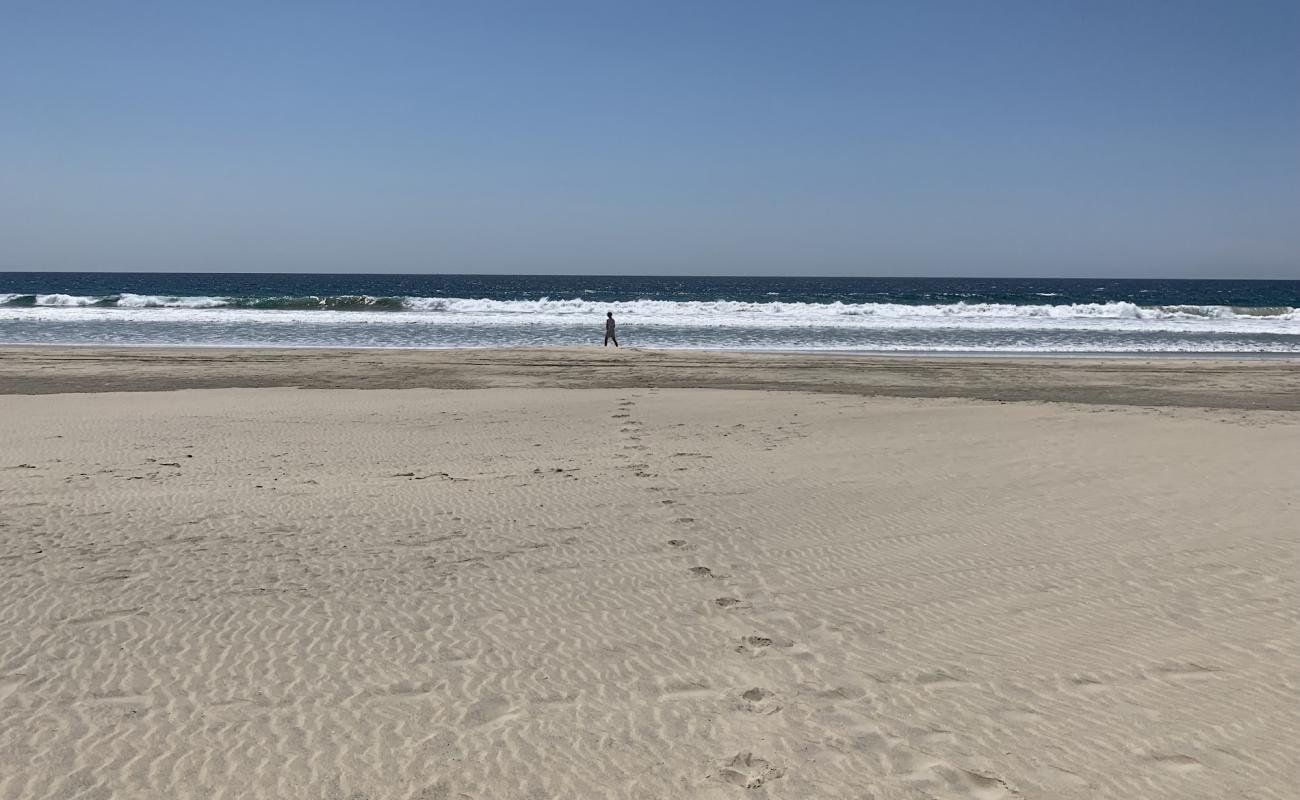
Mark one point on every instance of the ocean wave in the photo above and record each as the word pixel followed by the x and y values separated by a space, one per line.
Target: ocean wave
pixel 157 301
pixel 31 300
pixel 720 312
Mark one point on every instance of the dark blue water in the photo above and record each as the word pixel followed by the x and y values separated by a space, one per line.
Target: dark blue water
pixel 906 291
pixel 871 314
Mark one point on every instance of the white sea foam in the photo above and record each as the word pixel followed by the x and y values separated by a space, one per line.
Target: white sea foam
pixel 718 313
pixel 722 312
pixel 63 300
pixel 157 301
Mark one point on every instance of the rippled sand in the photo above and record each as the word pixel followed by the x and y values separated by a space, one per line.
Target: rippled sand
pixel 637 592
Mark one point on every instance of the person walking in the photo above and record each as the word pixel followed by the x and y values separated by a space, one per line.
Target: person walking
pixel 609 329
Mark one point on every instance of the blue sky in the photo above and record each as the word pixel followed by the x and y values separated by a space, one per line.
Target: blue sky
pixel 1045 138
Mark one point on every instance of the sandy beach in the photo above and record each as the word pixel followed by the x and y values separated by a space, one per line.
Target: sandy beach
pixel 579 573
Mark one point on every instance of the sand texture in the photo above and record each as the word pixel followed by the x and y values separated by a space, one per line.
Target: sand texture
pixel 1261 383
pixel 644 593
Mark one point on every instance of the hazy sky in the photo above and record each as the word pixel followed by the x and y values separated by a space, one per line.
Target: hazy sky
pixel 1131 138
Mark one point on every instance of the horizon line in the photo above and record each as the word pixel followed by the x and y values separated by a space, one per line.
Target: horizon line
pixel 629 275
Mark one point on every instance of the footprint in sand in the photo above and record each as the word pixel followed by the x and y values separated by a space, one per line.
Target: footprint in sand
pixel 726 602
pixel 748 771
pixel 701 572
pixel 756 645
pixel 759 701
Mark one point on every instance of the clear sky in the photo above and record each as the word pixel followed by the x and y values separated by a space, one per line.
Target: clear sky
pixel 1133 138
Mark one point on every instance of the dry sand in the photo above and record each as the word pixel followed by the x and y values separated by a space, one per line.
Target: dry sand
pixel 646 592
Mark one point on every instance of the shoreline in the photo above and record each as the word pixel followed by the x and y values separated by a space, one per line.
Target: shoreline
pixel 1136 380
pixel 1195 355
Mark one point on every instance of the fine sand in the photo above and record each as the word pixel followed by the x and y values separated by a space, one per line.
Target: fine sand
pixel 1260 383
pixel 581 580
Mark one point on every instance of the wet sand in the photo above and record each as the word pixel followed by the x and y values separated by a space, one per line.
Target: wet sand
pixel 1215 383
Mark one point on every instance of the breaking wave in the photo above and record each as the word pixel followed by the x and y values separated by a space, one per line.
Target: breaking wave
pixel 649 310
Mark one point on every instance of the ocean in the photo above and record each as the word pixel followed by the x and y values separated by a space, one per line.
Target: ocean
pixel 931 315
